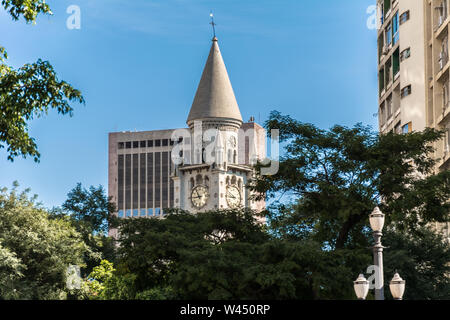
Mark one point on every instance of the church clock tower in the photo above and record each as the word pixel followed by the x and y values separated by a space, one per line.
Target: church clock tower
pixel 211 176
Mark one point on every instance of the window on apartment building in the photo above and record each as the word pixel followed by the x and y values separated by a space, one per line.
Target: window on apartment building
pixel 389 107
pixel 165 142
pixel 442 11
pixel 382 115
pixel 395 27
pixel 121 145
pixel 388 35
pixel 157 143
pixel 380 47
pixel 404 17
pixel 387 6
pixel 443 55
pixel 143 144
pixel 405 54
pixel 128 145
pixel 447 140
pixel 406 91
pixel 398 128
pixel 445 95
pixel 396 63
pixel 388 75
pixel 381 80
pixel 120 213
pixel 143 212
pixel 135 144
pixel 150 143
pixel 407 128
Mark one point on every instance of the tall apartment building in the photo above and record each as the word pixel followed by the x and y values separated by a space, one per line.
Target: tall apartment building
pixel 413 69
pixel 144 178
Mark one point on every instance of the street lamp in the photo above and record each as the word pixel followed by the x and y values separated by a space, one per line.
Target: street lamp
pixel 376 219
pixel 397 286
pixel 361 286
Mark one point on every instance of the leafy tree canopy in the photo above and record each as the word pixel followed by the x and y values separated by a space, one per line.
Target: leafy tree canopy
pixel 227 255
pixel 89 210
pixel 30 91
pixel 335 178
pixel 35 250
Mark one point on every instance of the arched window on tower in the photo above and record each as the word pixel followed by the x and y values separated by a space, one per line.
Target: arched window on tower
pixel 230 156
pixel 235 157
pixel 206 181
pixel 199 179
pixel 192 183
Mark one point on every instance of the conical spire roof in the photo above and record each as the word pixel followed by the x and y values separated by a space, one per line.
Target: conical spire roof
pixel 215 96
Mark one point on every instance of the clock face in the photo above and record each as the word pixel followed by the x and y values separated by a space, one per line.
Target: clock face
pixel 233 197
pixel 232 142
pixel 199 196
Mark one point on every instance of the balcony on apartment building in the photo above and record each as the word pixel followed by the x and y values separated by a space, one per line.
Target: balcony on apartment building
pixel 390 110
pixel 443 114
pixel 389 73
pixel 385 8
pixel 440 18
pixel 441 61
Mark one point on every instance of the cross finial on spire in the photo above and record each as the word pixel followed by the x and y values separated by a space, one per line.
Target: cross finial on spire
pixel 213 24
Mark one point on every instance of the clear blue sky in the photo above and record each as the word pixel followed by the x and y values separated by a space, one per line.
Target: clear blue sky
pixel 138 64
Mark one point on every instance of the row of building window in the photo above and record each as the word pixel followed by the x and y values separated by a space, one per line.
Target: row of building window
pixel 146 144
pixel 407 128
pixel 135 213
pixel 144 181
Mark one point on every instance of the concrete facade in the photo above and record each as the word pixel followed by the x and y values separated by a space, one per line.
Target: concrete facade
pixel 413 71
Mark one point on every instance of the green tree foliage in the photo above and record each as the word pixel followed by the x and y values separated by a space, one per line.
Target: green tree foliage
pixel 29 91
pixel 335 178
pixel 35 251
pixel 29 9
pixel 422 259
pixel 225 255
pixel 89 211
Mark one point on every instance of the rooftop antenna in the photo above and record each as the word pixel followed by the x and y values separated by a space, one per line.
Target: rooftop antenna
pixel 213 23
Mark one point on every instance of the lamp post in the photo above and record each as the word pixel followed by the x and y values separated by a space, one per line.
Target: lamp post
pixel 361 285
pixel 376 220
pixel 397 287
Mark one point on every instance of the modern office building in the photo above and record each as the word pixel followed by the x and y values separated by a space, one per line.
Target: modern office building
pixel 203 167
pixel 413 69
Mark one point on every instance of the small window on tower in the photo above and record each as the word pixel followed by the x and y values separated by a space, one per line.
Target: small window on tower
pixel 407 128
pixel 406 91
pixel 404 17
pixel 405 54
